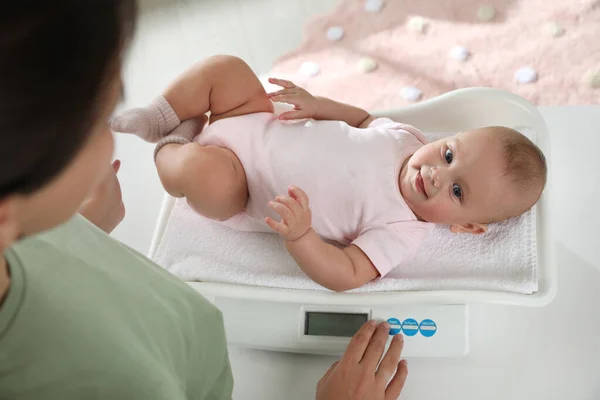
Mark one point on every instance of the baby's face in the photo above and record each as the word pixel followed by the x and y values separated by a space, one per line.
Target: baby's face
pixel 458 180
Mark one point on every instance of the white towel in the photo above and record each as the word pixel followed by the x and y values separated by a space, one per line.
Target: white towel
pixel 503 259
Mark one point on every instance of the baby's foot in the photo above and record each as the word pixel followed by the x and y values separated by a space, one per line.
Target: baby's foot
pixel 183 134
pixel 190 128
pixel 151 123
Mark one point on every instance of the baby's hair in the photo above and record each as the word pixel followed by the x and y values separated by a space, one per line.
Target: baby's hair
pixel 525 166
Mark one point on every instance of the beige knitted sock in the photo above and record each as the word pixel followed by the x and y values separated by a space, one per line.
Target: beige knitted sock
pixel 150 123
pixel 183 134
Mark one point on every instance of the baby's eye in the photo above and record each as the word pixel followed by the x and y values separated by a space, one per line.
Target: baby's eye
pixel 448 156
pixel 457 191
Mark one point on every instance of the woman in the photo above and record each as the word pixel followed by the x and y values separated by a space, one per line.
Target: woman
pixel 82 316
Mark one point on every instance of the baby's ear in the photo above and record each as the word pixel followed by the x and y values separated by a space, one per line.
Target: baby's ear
pixel 474 229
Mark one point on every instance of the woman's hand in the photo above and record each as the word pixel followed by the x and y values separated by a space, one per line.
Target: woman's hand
pixel 357 375
pixel 105 208
pixel 305 104
pixel 295 214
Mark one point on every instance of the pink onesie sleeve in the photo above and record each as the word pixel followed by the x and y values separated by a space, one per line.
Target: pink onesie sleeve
pixel 389 125
pixel 388 245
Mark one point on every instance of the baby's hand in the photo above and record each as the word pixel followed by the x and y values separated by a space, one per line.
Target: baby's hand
pixel 295 214
pixel 305 104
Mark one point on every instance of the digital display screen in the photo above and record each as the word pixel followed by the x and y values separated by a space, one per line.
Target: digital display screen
pixel 333 324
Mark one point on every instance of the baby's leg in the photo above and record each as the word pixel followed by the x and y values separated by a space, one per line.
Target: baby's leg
pixel 211 178
pixel 223 85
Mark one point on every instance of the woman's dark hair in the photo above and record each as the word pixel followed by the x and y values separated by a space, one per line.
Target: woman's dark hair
pixel 57 59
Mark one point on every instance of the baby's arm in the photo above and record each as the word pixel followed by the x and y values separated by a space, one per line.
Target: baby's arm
pixel 328 109
pixel 336 269
pixel 319 108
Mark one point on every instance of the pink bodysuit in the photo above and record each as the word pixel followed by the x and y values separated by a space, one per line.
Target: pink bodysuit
pixel 349 174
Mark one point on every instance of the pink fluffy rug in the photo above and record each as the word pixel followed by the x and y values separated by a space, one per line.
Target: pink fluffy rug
pixel 517 36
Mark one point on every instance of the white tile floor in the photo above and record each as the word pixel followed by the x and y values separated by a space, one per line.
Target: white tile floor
pixel 516 353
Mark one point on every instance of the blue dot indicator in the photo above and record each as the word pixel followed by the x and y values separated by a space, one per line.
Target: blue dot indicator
pixel 428 328
pixel 395 326
pixel 410 327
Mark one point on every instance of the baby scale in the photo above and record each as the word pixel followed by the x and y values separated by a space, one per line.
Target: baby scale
pixel 434 323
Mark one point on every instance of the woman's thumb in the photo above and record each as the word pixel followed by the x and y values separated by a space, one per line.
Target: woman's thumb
pixel 116 165
pixel 330 370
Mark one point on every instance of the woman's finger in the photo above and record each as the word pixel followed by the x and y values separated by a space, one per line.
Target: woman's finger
pixel 390 360
pixel 300 196
pixel 284 212
pixel 358 344
pixel 295 114
pixel 397 383
pixel 282 83
pixel 376 347
pixel 290 203
pixel 279 227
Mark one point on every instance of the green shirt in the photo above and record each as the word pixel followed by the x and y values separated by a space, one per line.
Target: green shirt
pixel 88 318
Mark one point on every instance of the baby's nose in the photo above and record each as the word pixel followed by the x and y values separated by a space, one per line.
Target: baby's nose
pixel 435 177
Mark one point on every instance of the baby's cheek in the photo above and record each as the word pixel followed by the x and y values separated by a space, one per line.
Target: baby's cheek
pixel 442 213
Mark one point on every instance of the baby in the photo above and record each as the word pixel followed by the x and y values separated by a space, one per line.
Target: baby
pixel 375 186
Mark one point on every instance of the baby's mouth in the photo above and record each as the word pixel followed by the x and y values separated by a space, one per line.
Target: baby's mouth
pixel 420 184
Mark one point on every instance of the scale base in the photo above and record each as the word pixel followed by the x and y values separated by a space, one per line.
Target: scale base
pixel 429 331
